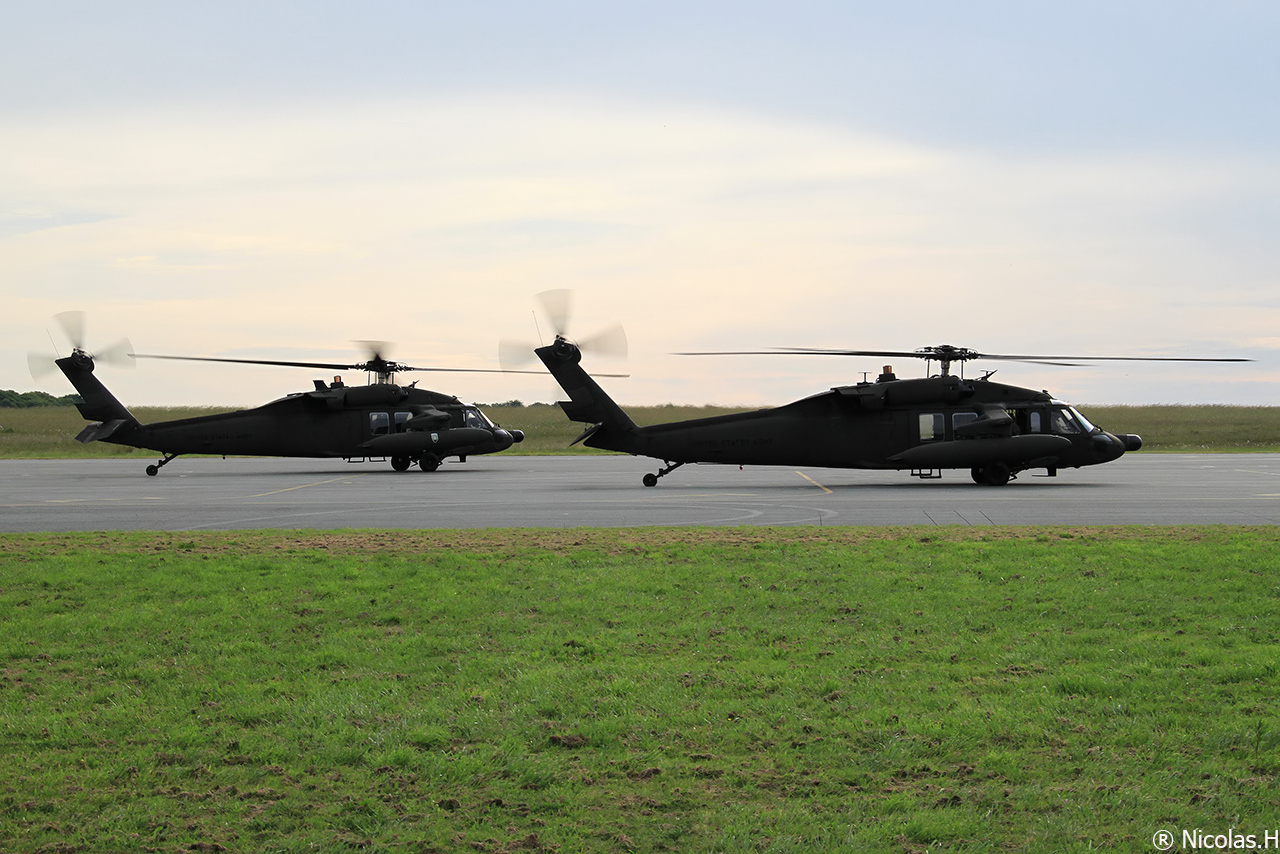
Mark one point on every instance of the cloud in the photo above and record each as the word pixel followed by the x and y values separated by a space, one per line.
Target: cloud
pixel 432 221
pixel 28 220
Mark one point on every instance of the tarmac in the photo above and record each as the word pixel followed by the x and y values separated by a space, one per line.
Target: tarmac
pixel 497 491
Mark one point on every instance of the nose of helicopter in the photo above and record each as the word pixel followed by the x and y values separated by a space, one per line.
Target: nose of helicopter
pixel 1112 446
pixel 504 439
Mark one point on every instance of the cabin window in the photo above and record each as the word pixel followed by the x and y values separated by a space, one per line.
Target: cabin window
pixel 474 418
pixel 379 423
pixel 959 419
pixel 401 418
pixel 1028 420
pixel 932 425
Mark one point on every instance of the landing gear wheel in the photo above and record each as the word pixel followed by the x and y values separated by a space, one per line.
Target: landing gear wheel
pixel 976 474
pixel 429 462
pixel 153 470
pixel 652 479
pixel 401 463
pixel 996 474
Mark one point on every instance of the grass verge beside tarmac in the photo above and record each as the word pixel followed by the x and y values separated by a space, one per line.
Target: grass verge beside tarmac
pixel 693 690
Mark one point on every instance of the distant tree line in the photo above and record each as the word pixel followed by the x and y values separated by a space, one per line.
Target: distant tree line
pixel 28 399
pixel 511 404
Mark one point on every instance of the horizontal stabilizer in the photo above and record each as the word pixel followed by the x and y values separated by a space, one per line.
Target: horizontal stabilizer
pixel 586 434
pixel 102 430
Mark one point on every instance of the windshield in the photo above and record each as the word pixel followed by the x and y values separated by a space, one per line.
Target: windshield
pixel 1084 422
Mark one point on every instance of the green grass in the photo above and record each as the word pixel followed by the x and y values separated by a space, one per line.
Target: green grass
pixel 1194 429
pixel 49 432
pixel 772 690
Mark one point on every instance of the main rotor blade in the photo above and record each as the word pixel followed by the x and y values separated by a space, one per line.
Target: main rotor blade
pixel 556 305
pixel 957 355
pixel 375 349
pixel 413 369
pixel 1110 358
pixel 936 355
pixel 803 351
pixel 332 366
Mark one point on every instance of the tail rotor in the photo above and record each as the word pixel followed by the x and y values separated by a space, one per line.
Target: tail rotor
pixel 556 307
pixel 73 328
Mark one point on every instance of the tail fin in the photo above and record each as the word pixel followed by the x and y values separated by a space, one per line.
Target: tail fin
pixel 99 404
pixel 612 428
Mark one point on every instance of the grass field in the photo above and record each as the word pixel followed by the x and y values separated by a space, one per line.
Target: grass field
pixel 770 690
pixel 49 432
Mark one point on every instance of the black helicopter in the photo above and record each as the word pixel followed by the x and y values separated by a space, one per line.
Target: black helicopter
pixel 380 420
pixel 918 425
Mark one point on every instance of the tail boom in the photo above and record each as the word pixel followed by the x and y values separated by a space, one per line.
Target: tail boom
pixel 115 423
pixel 613 429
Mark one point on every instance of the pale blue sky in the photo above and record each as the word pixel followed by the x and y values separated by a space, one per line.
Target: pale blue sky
pixel 279 179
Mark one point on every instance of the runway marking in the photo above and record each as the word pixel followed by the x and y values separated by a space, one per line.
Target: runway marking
pixel 91 500
pixel 305 485
pixel 814 482
pixel 681 497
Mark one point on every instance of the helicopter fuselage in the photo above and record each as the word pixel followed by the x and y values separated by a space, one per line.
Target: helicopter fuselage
pixel 918 425
pixel 405 424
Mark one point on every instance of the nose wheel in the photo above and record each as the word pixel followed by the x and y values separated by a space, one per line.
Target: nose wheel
pixel 652 479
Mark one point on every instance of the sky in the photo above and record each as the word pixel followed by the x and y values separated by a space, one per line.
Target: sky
pixel 286 180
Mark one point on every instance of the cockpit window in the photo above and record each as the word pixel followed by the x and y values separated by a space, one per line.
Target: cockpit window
pixel 475 418
pixel 1063 421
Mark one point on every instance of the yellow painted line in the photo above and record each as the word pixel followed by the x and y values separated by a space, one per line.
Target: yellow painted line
pixel 305 485
pixel 814 482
